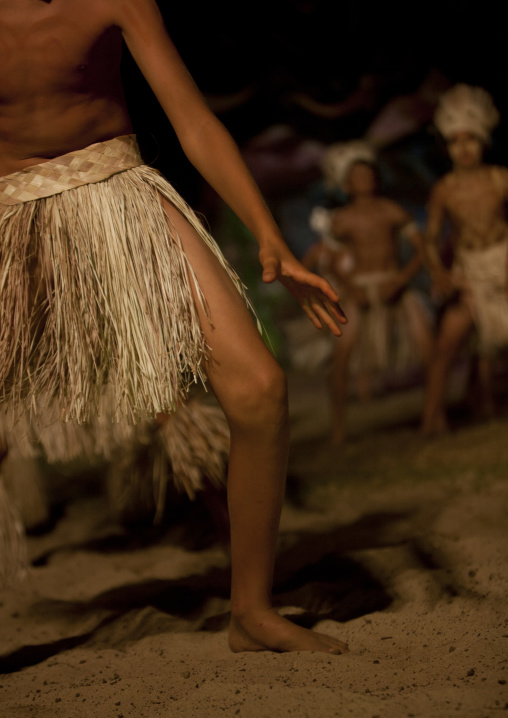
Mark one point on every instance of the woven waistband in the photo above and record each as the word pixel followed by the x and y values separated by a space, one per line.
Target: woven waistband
pixel 373 279
pixel 494 252
pixel 91 164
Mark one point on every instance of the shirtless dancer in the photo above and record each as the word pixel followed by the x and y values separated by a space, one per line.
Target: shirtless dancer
pixel 473 198
pixel 388 326
pixel 60 91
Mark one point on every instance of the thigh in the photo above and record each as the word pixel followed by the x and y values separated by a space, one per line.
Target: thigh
pixel 238 352
pixel 417 323
pixel 455 326
pixel 350 330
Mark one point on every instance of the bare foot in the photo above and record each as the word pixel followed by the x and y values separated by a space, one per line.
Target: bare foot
pixel 268 631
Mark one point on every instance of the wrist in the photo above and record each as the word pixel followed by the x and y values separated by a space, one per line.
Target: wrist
pixel 270 239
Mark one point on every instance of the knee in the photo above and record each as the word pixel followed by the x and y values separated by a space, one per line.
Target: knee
pixel 260 397
pixel 445 349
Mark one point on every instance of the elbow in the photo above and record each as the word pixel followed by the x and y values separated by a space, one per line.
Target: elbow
pixel 204 132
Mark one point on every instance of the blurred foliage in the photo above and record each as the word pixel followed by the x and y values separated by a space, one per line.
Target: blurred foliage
pixel 271 302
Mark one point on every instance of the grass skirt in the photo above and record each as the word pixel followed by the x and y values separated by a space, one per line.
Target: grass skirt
pixel 385 336
pixel 482 276
pixel 99 329
pixel 97 295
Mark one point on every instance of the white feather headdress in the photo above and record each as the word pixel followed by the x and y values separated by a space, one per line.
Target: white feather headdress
pixel 340 157
pixel 464 108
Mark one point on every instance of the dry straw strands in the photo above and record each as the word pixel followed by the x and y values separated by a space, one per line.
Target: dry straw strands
pixel 13 559
pixel 97 290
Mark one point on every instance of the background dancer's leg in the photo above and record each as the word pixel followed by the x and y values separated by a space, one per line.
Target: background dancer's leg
pixel 456 324
pixel 251 389
pixel 340 373
pixel 481 387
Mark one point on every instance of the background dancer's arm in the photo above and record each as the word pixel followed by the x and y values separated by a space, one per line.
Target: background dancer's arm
pixel 506 275
pixel 314 254
pixel 503 176
pixel 408 229
pixel 442 282
pixel 342 235
pixel 213 152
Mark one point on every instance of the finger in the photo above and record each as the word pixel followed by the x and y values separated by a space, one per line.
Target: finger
pixel 311 315
pixel 333 307
pixel 326 288
pixel 313 280
pixel 336 310
pixel 325 318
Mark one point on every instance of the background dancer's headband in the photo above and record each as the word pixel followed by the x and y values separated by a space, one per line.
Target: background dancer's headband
pixel 340 157
pixel 466 109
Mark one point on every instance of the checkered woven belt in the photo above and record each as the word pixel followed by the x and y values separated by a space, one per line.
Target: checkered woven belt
pixel 91 164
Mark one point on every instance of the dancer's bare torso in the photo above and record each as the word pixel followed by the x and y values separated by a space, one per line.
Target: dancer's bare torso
pixel 60 86
pixel 475 203
pixel 369 229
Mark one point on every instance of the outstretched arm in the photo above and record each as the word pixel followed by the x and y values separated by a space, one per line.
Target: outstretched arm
pixel 412 233
pixel 211 149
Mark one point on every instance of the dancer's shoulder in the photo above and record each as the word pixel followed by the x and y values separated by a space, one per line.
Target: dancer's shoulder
pixel 500 176
pixel 442 188
pixel 134 12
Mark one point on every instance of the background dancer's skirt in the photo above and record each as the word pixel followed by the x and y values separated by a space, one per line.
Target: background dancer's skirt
pixel 385 332
pixel 482 276
pixel 96 293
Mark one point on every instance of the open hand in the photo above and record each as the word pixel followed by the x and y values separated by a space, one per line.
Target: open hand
pixel 314 294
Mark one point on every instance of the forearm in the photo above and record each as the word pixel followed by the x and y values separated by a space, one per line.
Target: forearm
pixel 434 231
pixel 408 271
pixel 217 158
pixel 205 141
pixel 431 256
pixel 213 152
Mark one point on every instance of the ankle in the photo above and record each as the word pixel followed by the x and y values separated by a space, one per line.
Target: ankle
pixel 242 612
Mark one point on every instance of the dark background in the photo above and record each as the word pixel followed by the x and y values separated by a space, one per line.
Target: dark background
pixel 255 61
pixel 324 49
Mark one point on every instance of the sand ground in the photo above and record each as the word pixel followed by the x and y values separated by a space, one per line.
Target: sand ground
pixel 395 545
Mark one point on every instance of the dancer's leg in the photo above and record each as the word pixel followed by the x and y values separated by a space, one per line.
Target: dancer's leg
pixel 420 329
pixel 481 387
pixel 364 386
pixel 251 389
pixel 339 374
pixel 456 325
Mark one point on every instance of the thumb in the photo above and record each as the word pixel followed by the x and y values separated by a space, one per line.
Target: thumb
pixel 270 270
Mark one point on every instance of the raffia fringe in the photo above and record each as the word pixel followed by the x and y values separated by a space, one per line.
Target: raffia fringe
pixel 384 338
pixel 13 550
pixel 23 483
pixel 190 446
pixel 96 291
pixel 482 274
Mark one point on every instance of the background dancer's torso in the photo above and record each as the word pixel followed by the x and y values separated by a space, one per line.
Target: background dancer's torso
pixel 475 203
